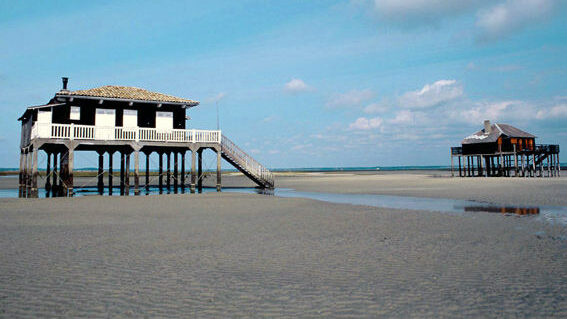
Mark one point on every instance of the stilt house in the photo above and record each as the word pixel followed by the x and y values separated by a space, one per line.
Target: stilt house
pixel 504 150
pixel 127 120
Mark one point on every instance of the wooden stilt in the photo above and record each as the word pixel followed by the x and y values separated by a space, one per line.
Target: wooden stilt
pixel 168 176
pixel 100 184
pixel 127 174
pixel 515 162
pixel 29 163
pixel 110 173
pixel 63 164
pixel 70 166
pixel 182 170
pixel 193 170
pixel 34 173
pixel 160 173
pixel 48 175
pixel 21 174
pixel 534 164
pixel 200 170
pixel 148 172
pixel 548 171
pixel 122 163
pixel 523 168
pixel 175 172
pixel 25 178
pixel 136 172
pixel 451 154
pixel 54 186
pixel 460 170
pixel 219 171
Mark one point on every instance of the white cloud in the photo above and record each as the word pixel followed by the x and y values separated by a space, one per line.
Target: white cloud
pixel 494 111
pixel 269 119
pixel 513 15
pixel 432 94
pixel 403 117
pixel 376 108
pixel 555 112
pixel 353 98
pixel 296 86
pixel 419 12
pixel 494 19
pixel 363 123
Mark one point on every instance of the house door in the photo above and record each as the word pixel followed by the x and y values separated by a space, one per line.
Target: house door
pixel 164 121
pixel 44 123
pixel 105 121
pixel 130 119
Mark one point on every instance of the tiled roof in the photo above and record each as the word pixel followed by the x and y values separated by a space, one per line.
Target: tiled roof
pixel 129 93
pixel 496 130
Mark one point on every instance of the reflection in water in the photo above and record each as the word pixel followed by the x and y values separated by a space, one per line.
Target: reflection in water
pixel 552 214
pixel 504 210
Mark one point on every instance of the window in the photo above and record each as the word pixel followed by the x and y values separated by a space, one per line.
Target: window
pixel 75 113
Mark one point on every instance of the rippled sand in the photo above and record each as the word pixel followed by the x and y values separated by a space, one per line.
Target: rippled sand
pixel 243 255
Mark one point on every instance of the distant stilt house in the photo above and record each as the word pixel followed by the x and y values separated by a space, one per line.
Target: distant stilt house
pixel 504 150
pixel 129 121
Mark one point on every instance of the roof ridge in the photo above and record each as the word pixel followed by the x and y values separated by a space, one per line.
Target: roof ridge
pixel 129 93
pixel 498 127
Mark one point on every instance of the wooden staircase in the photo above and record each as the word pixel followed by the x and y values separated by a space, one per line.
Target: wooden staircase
pixel 246 164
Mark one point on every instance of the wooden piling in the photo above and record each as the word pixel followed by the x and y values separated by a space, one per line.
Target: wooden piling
pixel 183 170
pixel 54 184
pixel 219 171
pixel 127 175
pixel 160 174
pixel 122 163
pixel 48 174
pixel 21 174
pixel 168 175
pixel 200 170
pixel 136 172
pixel 148 172
pixel 193 170
pixel 100 175
pixel 70 166
pixel 175 172
pixel 34 172
pixel 110 173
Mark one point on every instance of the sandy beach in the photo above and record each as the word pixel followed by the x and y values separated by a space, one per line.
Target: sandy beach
pixel 248 255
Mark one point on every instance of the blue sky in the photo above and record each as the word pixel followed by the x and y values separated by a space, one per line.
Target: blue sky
pixel 304 83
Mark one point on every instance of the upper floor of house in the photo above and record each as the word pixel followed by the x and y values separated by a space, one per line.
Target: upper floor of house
pixel 108 113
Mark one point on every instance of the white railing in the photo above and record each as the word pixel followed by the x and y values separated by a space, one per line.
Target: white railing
pixel 91 132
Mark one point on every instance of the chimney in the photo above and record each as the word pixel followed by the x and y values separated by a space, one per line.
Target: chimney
pixel 65 80
pixel 487 127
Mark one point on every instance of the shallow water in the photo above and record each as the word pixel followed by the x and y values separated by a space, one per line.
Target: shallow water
pixel 551 214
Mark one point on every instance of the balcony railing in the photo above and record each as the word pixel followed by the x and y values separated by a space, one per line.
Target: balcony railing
pixel 102 133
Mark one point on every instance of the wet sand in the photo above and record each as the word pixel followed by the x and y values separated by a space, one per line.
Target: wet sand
pixel 247 255
pixel 436 184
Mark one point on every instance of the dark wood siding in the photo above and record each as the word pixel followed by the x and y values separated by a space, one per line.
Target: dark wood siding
pixel 146 112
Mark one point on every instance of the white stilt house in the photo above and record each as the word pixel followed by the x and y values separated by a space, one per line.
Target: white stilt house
pixel 127 120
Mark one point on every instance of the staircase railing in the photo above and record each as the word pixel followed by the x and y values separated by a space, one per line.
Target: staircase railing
pixel 246 162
